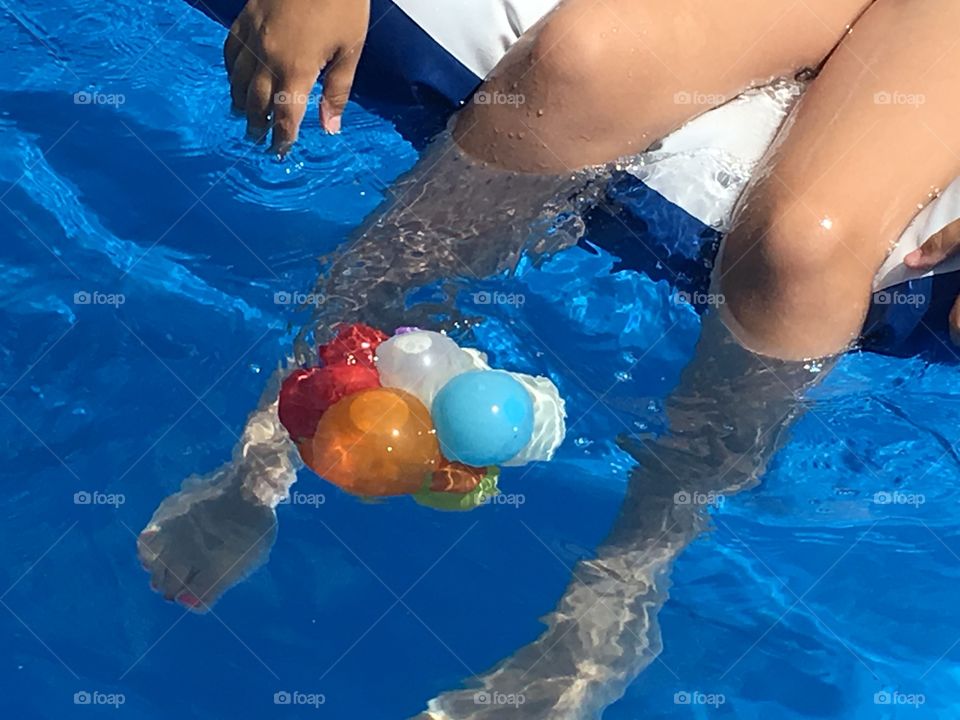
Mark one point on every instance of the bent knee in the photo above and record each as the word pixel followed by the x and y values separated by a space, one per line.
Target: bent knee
pixel 785 239
pixel 597 50
pixel 792 280
pixel 567 49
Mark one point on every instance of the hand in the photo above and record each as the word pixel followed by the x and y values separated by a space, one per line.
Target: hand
pixel 940 247
pixel 277 49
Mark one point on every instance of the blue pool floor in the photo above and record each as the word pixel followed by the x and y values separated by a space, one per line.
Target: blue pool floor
pixel 808 599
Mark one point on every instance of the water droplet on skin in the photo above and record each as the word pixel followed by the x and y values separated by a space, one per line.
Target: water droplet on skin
pixel 540 112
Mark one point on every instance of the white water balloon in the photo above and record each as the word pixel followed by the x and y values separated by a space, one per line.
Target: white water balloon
pixel 549 420
pixel 420 362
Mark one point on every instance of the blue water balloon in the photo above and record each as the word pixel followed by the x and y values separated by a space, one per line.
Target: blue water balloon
pixel 483 417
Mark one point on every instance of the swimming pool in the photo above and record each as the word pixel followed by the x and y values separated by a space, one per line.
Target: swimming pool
pixel 150 254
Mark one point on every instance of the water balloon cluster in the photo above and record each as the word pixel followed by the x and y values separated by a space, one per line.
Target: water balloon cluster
pixel 415 414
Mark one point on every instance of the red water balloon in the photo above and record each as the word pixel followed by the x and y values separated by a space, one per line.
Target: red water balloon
pixel 355 344
pixel 306 394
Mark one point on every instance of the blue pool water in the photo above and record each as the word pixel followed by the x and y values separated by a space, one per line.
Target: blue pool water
pixel 807 599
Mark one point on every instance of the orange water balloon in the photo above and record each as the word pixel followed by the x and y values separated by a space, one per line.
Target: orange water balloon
pixel 375 442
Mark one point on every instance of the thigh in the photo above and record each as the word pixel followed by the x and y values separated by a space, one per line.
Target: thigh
pixel 599 79
pixel 871 142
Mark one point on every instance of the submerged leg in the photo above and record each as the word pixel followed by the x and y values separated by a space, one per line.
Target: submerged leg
pixel 219 528
pixel 454 218
pixel 448 218
pixel 840 185
pixel 728 416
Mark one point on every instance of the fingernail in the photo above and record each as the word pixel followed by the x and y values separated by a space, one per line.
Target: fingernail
pixel 188 599
pixel 332 124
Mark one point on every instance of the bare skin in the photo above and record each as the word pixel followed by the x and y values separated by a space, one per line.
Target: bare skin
pixel 795 286
pixel 601 80
pixel 277 49
pixel 844 179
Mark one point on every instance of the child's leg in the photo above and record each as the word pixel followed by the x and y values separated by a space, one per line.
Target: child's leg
pixel 867 146
pixel 599 79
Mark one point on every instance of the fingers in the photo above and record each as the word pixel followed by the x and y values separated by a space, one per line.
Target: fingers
pixel 955 322
pixel 243 70
pixel 337 83
pixel 259 103
pixel 935 250
pixel 235 42
pixel 289 108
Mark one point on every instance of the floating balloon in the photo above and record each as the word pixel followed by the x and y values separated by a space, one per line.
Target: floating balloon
pixel 375 443
pixel 452 501
pixel 307 393
pixel 354 344
pixel 549 414
pixel 483 417
pixel 478 360
pixel 454 477
pixel 549 426
pixel 420 362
